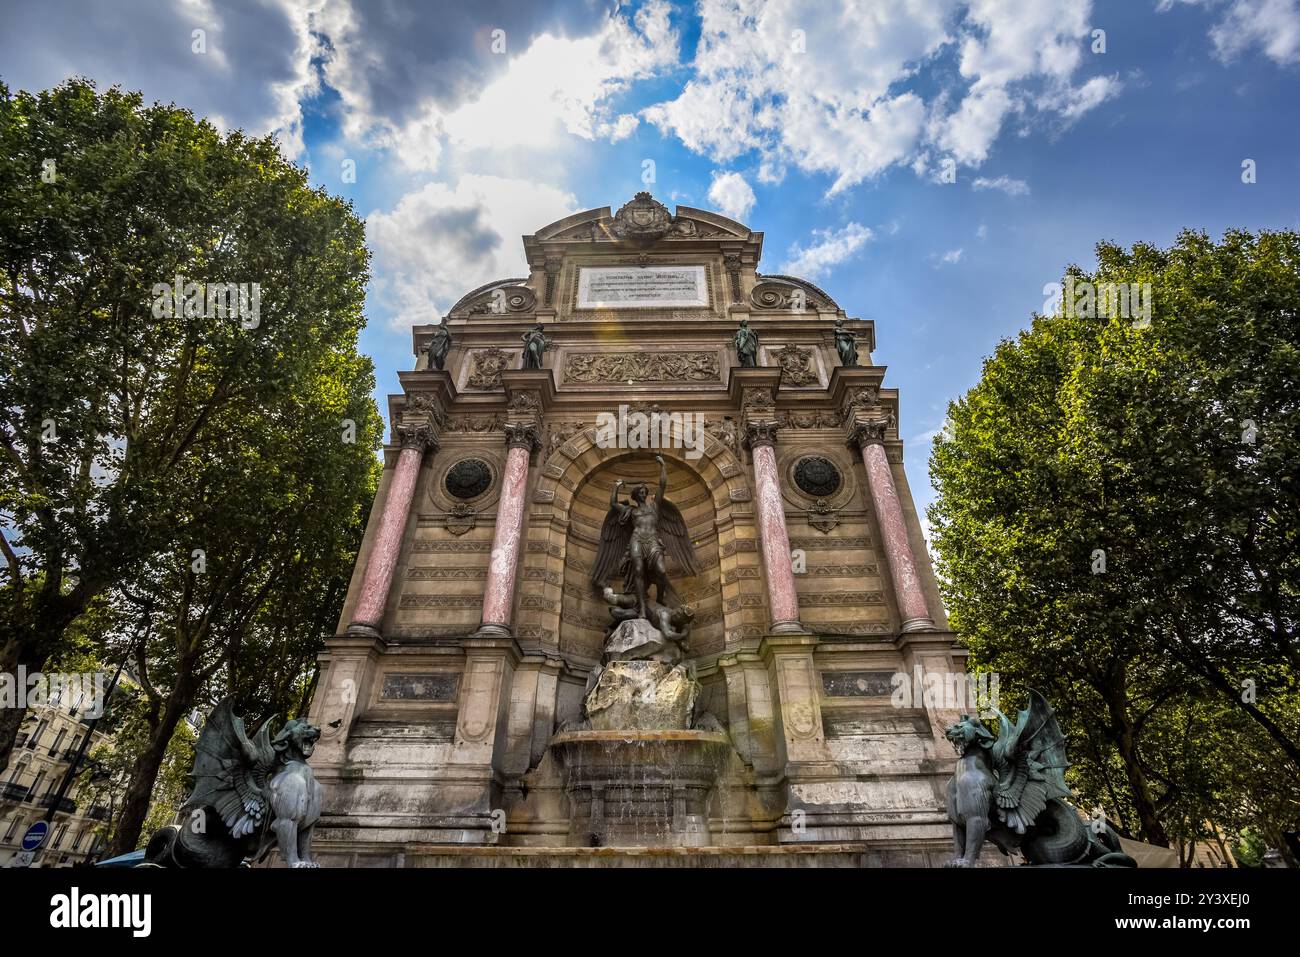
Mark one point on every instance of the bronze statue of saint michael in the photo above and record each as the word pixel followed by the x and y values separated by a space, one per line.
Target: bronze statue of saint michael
pixel 634 539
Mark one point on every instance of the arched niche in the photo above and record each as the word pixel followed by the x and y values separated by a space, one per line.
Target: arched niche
pixel 570 500
pixel 584 615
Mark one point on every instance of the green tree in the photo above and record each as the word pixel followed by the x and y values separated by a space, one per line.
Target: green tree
pixel 272 525
pixel 1116 524
pixel 124 425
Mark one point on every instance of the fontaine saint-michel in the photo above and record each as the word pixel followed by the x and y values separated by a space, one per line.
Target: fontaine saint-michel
pixel 555 646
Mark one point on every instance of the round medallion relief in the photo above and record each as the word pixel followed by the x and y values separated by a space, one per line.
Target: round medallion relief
pixel 468 478
pixel 817 476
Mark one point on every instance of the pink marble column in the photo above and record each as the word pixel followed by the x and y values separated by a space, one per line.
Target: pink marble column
pixel 783 602
pixel 912 608
pixel 499 592
pixel 368 615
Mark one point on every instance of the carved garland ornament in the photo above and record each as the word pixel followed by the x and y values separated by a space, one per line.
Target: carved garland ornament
pixel 642 367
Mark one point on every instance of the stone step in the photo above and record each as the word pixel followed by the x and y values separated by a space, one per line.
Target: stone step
pixel 812 855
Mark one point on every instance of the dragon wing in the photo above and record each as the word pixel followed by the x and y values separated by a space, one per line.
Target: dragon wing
pixel 676 538
pixel 614 537
pixel 230 771
pixel 1030 760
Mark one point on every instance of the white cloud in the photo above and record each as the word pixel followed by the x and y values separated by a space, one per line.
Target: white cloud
pixel 731 195
pixel 1271 25
pixel 1074 102
pixel 950 258
pixel 823 86
pixel 255 71
pixel 969 132
pixel 1012 187
pixel 831 248
pixel 545 86
pixel 440 242
pixel 806 85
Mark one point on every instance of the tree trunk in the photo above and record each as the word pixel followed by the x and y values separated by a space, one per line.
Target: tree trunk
pixel 14 654
pixel 139 791
pixel 30 648
pixel 1144 803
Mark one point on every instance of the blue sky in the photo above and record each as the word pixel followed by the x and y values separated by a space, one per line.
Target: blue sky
pixel 827 125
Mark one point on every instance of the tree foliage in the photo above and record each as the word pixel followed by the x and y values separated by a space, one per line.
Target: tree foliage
pixel 1116 524
pixel 204 477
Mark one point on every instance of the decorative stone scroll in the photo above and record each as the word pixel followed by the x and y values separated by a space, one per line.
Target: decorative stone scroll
pixel 642 367
pixel 782 297
pixel 504 301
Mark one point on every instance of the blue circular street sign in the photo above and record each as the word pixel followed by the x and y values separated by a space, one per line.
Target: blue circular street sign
pixel 35 835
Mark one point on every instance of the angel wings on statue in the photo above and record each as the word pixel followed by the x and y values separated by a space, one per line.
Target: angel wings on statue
pixel 636 537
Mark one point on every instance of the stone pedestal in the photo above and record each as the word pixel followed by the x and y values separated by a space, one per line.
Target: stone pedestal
pixel 641 696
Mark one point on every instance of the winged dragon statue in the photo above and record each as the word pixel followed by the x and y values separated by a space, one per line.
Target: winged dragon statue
pixel 249 797
pixel 1011 790
pixel 635 541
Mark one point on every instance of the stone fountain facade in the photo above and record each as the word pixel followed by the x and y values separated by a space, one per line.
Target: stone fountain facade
pixel 462 724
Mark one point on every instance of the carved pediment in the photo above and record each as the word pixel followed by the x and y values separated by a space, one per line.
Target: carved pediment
pixel 788 294
pixel 503 297
pixel 644 221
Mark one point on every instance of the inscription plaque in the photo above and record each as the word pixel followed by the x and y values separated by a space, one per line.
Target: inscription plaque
pixel 633 287
pixel 857 684
pixel 439 686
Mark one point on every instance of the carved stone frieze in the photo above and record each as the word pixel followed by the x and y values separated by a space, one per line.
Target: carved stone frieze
pixel 815 419
pixel 642 367
pixel 475 423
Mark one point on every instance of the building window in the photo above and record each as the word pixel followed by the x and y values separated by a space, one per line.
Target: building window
pixel 19 768
pixel 81 836
pixel 31 792
pixel 36 735
pixel 58 835
pixel 13 826
pixel 58 740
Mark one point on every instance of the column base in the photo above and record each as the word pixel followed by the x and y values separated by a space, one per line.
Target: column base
pixel 918 624
pixel 361 629
pixel 490 630
pixel 791 627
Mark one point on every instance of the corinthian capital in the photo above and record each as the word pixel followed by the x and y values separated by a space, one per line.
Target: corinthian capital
pixel 523 435
pixel 868 432
pixel 759 432
pixel 416 436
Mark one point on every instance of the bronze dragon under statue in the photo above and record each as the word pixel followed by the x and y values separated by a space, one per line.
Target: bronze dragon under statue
pixel 1011 790
pixel 249 797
